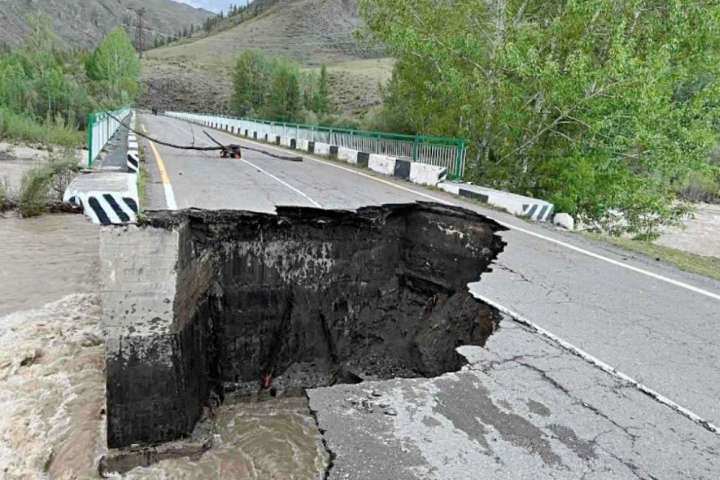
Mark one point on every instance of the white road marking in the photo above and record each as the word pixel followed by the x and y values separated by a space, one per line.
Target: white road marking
pixel 316 204
pixel 545 333
pixel 601 365
pixel 511 226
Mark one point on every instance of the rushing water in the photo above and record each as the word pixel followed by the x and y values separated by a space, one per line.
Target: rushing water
pixel 52 383
pixel 275 439
pixel 45 258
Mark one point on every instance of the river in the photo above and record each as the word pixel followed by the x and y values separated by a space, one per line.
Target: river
pixel 52 382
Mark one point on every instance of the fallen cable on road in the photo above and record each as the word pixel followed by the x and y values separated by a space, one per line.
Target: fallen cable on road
pixel 219 148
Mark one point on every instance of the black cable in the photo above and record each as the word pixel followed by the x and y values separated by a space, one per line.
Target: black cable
pixel 203 149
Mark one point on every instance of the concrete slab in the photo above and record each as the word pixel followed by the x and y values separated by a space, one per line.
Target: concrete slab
pixel 520 205
pixel 523 409
pixel 110 181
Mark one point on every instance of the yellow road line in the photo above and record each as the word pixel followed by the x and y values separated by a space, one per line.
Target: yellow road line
pixel 164 177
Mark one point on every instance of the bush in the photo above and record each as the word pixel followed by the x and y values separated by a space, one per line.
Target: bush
pixel 4 200
pixel 701 186
pixel 22 128
pixel 44 185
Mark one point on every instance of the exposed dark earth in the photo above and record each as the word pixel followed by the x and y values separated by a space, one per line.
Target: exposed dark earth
pixel 276 304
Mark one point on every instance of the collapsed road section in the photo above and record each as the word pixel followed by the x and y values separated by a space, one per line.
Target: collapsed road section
pixel 201 303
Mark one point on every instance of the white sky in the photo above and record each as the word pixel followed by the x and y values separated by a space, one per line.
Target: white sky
pixel 213 5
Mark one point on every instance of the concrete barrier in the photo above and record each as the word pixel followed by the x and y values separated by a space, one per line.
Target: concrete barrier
pixel 322 149
pixel 429 175
pixel 422 174
pixel 520 205
pixel 382 164
pixel 133 162
pixel 109 197
pixel 402 168
pixel 347 155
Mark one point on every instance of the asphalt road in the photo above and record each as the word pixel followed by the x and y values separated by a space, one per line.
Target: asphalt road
pixel 652 328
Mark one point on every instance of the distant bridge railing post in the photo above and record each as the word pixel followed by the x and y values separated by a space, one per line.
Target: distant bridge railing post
pixel 439 151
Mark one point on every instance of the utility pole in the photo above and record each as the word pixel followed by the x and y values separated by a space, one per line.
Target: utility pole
pixel 139 35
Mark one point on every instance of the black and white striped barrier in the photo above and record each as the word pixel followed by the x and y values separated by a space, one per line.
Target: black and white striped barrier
pixel 520 205
pixel 110 198
pixel 415 172
pixel 107 207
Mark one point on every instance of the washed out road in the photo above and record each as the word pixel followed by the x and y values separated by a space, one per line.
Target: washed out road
pixel 622 381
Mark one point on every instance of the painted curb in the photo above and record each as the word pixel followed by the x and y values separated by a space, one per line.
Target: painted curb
pixel 519 205
pixel 404 168
pixel 112 207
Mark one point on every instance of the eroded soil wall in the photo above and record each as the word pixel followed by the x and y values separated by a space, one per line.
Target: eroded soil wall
pixel 301 299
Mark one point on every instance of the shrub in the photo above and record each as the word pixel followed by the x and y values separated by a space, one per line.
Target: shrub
pixel 701 186
pixel 45 185
pixel 22 128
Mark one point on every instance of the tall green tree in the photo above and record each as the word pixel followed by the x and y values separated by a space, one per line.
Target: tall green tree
pixel 594 104
pixel 116 65
pixel 322 96
pixel 284 102
pixel 251 80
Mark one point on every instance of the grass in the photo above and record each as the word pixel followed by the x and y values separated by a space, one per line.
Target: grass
pixel 4 200
pixel 142 180
pixel 22 128
pixel 688 262
pixel 44 185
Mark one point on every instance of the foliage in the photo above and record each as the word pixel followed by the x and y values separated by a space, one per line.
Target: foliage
pixel 46 92
pixel 701 186
pixel 23 128
pixel 4 200
pixel 115 69
pixel 40 80
pixel 276 89
pixel 45 184
pixel 597 105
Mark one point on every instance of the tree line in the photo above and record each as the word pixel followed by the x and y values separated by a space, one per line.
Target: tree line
pixel 276 89
pixel 44 84
pixel 599 106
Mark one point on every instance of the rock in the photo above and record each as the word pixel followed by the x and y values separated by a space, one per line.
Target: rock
pixel 564 220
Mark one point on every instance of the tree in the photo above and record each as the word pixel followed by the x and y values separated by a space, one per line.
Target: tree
pixel 321 100
pixel 115 63
pixel 250 83
pixel 594 104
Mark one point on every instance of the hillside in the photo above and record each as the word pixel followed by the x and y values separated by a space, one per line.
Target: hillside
pixel 196 74
pixel 83 23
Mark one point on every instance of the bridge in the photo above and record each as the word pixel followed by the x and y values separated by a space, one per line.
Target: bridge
pixel 602 363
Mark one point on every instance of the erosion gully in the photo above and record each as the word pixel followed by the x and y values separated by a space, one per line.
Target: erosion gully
pixel 267 306
pixel 263 307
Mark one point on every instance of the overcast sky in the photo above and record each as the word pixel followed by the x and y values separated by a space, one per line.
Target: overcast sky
pixel 213 5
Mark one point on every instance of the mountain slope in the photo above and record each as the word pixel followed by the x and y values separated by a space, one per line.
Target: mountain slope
pixel 84 23
pixel 196 75
pixel 310 32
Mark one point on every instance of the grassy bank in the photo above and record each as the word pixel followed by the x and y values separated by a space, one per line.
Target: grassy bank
pixel 21 128
pixel 688 262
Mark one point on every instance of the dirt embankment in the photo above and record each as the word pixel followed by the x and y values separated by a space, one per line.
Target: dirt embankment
pixel 196 75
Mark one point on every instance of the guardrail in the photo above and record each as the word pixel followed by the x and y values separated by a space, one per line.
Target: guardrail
pixel 439 151
pixel 101 128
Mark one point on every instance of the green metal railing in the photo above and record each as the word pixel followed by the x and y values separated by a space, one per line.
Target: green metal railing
pixel 440 151
pixel 100 128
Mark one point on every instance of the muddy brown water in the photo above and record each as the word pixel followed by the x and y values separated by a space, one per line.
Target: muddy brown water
pixel 45 258
pixel 52 378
